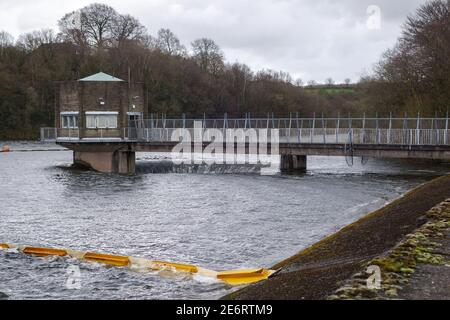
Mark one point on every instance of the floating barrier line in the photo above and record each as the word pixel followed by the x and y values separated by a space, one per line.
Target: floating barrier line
pixel 232 277
pixel 119 261
pixel 44 252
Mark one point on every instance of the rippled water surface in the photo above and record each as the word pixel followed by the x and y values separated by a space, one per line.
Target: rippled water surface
pixel 217 221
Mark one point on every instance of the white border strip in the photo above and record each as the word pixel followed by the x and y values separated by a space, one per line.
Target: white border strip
pixel 69 113
pixel 99 113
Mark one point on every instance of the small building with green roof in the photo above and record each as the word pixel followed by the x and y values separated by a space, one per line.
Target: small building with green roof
pixel 98 106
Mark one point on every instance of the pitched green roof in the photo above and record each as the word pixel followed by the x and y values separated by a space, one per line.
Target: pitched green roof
pixel 102 77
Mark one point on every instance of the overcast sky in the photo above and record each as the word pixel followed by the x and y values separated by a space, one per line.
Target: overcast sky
pixel 310 39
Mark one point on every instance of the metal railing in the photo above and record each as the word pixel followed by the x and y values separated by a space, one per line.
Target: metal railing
pixel 405 137
pixel 49 134
pixel 271 122
pixel 375 131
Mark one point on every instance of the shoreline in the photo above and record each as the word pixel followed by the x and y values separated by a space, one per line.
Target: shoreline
pixel 316 272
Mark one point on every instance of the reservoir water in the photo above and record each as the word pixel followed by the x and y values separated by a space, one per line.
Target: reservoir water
pixel 228 220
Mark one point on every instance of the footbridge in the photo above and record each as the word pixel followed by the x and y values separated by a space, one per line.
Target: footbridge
pixel 292 139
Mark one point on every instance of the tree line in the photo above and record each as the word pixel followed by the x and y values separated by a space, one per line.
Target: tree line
pixel 414 76
pixel 196 81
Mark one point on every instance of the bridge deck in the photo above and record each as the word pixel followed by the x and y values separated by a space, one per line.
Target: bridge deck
pixel 429 138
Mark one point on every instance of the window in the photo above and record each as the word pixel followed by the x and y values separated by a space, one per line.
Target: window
pixel 101 120
pixel 69 120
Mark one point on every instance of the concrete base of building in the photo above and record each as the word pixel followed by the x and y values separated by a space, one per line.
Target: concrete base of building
pixel 122 162
pixel 293 163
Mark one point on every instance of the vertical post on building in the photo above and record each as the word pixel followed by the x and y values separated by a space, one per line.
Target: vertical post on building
pixel 418 129
pixel 165 126
pixel 301 129
pixel 377 131
pixel 436 124
pixel 290 127
pixel 338 124
pixel 324 130
pixel 446 129
pixel 273 121
pixel 350 125
pixel 313 129
pixel 298 127
pixel 390 129
pixel 405 128
pixel 364 129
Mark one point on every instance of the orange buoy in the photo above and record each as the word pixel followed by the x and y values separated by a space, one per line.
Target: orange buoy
pixel 5 149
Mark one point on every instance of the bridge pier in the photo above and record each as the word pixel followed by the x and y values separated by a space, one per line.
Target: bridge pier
pixel 122 162
pixel 290 163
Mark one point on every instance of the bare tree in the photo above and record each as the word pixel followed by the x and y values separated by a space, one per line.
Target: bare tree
pixel 418 66
pixel 347 81
pixel 6 39
pixel 149 42
pixel 126 27
pixel 92 24
pixel 329 81
pixel 168 42
pixel 33 40
pixel 72 30
pixel 97 20
pixel 208 55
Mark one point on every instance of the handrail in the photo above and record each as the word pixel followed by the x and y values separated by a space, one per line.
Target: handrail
pixel 315 135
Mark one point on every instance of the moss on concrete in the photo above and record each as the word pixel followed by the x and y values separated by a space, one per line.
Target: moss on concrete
pixel 400 263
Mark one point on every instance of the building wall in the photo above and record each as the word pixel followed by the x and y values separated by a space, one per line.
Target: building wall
pixel 67 99
pixel 87 96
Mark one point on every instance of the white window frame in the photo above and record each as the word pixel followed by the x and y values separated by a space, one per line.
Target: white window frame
pixel 96 116
pixel 68 117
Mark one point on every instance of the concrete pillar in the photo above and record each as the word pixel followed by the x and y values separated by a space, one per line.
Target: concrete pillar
pixel 292 163
pixel 126 162
pixel 122 162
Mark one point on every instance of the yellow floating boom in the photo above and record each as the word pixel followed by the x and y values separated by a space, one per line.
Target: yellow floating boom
pixel 239 277
pixel 158 265
pixel 119 261
pixel 44 252
pixel 233 277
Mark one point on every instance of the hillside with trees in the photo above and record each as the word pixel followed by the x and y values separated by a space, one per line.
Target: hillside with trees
pixel 197 80
pixel 414 76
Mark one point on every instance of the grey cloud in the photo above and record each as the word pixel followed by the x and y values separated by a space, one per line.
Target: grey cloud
pixel 310 39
